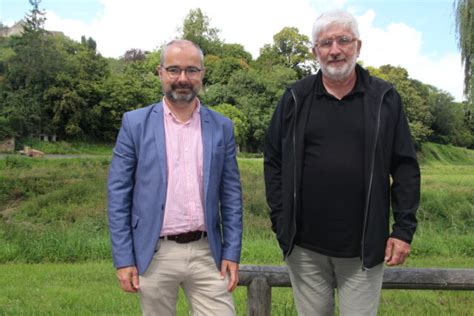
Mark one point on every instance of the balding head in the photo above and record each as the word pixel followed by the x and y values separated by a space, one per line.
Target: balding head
pixel 180 44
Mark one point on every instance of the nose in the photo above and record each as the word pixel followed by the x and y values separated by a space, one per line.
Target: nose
pixel 335 49
pixel 182 75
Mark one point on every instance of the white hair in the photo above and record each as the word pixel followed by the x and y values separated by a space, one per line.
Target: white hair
pixel 334 17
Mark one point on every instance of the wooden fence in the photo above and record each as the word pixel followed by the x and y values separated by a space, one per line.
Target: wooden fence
pixel 259 281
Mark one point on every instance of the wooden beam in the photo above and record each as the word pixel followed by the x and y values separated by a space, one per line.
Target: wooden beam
pixel 393 278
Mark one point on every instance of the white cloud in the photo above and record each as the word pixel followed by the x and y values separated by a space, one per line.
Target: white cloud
pixel 401 45
pixel 147 25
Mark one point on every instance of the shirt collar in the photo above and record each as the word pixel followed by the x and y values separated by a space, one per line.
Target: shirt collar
pixel 168 112
pixel 358 87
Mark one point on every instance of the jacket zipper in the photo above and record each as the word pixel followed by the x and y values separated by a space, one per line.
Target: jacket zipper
pixel 371 176
pixel 294 177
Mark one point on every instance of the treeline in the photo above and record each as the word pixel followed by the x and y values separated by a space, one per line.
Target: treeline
pixel 50 84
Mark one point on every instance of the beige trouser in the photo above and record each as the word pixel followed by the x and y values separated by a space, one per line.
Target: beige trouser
pixel 314 278
pixel 188 265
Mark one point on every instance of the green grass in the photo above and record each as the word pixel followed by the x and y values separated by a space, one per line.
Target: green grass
pixel 432 153
pixel 55 249
pixel 65 148
pixel 90 288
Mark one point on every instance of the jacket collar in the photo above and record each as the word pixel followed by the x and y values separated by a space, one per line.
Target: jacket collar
pixel 372 85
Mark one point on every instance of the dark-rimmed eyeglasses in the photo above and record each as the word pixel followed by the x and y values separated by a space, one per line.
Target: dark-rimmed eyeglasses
pixel 190 72
pixel 341 41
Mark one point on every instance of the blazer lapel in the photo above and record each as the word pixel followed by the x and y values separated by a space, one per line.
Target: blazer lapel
pixel 159 133
pixel 206 148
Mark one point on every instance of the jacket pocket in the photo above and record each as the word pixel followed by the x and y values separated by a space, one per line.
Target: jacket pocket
pixel 219 149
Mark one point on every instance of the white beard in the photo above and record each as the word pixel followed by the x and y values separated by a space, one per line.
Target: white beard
pixel 339 73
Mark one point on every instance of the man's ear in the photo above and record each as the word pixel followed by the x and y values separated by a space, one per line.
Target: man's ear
pixel 359 46
pixel 315 53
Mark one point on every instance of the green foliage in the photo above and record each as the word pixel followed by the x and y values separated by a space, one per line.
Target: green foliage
pixel 414 97
pixel 196 28
pixel 78 84
pixel 135 87
pixel 6 130
pixel 236 51
pixel 35 19
pixel 290 49
pixel 256 93
pixel 450 121
pixel 50 84
pixel 464 10
pixel 220 69
pixel 238 118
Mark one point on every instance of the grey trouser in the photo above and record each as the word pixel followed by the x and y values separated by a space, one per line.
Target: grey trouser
pixel 314 278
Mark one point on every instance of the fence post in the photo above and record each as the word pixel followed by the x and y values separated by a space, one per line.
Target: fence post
pixel 259 296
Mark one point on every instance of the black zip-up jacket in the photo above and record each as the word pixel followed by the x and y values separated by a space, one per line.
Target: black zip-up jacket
pixel 389 152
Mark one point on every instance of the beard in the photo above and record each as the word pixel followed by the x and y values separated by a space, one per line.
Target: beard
pixel 341 72
pixel 179 97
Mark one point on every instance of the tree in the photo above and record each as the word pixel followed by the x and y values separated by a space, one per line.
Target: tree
pixel 196 28
pixel 236 51
pixel 219 70
pixel 465 34
pixel 445 121
pixel 35 19
pixel 89 43
pixel 291 49
pixel 134 54
pixel 134 86
pixel 77 88
pixel 256 94
pixel 28 74
pixel 5 128
pixel 414 97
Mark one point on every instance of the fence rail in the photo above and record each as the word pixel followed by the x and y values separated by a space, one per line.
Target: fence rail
pixel 259 281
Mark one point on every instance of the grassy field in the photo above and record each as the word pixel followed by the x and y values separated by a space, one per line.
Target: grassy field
pixel 65 148
pixel 55 252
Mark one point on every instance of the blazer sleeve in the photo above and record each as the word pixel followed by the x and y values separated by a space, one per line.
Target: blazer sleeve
pixel 120 196
pixel 405 172
pixel 231 200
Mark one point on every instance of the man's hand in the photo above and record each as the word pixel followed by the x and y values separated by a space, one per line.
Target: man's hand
pixel 396 251
pixel 128 278
pixel 233 269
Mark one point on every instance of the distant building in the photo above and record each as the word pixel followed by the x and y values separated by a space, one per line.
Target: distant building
pixel 17 29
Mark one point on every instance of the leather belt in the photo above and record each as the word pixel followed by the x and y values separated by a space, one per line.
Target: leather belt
pixel 187 237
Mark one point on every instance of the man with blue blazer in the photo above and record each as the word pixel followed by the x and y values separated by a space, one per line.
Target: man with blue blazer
pixel 174 196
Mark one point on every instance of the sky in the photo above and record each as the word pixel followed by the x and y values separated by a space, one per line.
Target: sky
pixel 418 35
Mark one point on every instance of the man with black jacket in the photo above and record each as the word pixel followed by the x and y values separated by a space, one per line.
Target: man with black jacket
pixel 338 152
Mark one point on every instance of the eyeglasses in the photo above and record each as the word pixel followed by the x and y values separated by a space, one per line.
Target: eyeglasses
pixel 341 41
pixel 174 72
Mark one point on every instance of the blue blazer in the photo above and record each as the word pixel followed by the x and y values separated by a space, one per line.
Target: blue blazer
pixel 138 180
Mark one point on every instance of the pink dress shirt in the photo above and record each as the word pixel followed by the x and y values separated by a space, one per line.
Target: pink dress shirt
pixel 184 211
